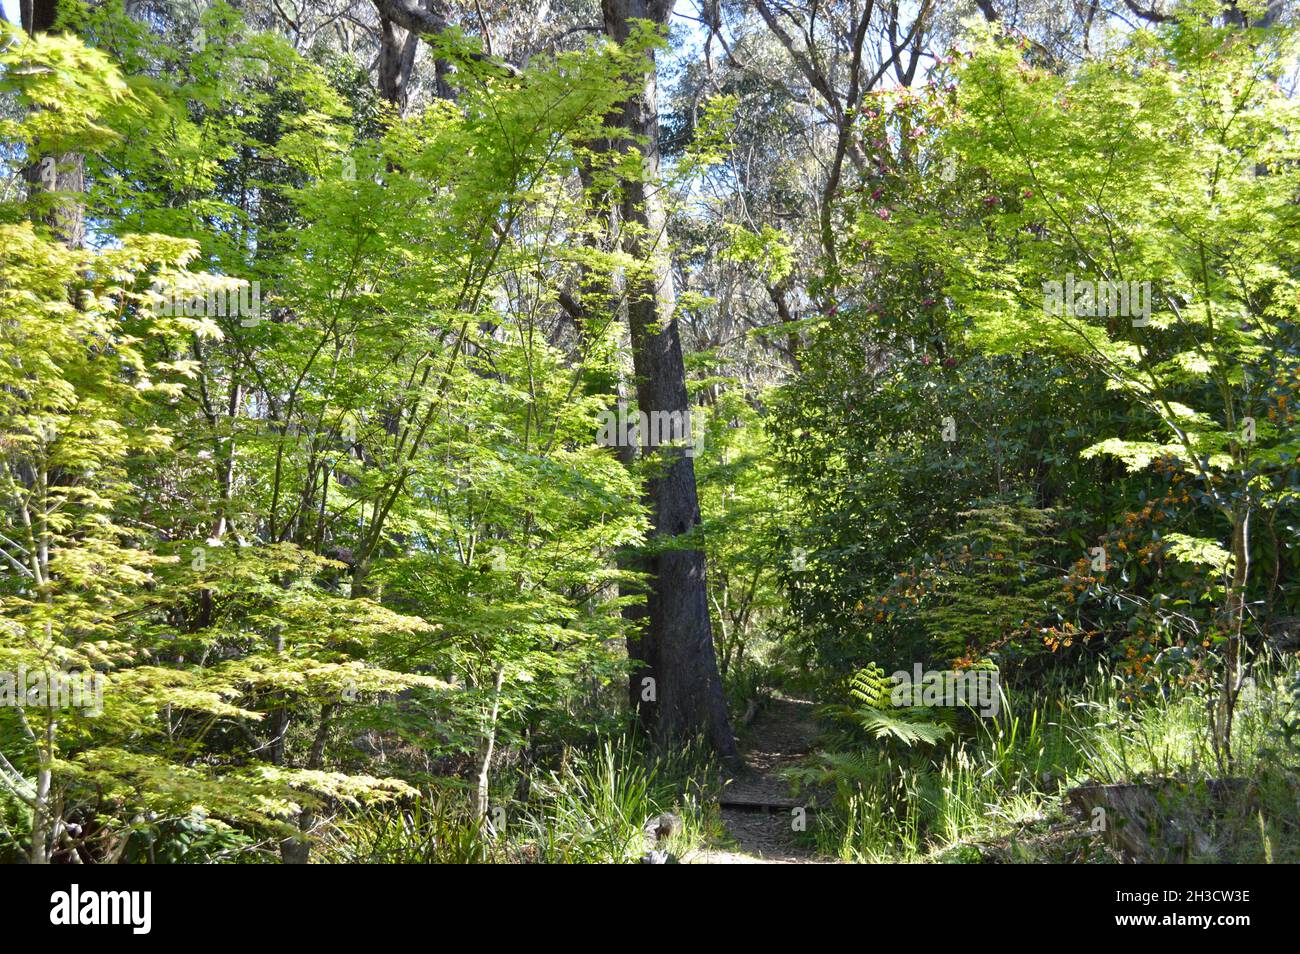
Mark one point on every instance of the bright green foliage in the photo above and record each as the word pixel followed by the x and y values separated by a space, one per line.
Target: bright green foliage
pixel 742 500
pixel 1168 170
pixel 93 371
pixel 1192 197
pixel 261 527
pixel 876 713
pixel 1165 166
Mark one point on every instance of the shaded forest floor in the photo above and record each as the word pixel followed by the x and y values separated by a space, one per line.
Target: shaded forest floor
pixel 757 808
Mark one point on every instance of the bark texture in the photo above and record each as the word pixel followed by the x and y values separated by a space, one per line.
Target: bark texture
pixel 55 182
pixel 676 644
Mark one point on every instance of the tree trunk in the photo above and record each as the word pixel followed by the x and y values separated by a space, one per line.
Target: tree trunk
pixel 42 822
pixel 1234 623
pixel 396 59
pixel 63 173
pixel 297 851
pixel 487 748
pixel 676 645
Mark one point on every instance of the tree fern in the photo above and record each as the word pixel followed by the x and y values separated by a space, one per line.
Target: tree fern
pixel 875 712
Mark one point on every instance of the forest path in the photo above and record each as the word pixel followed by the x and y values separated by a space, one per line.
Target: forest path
pixel 756 806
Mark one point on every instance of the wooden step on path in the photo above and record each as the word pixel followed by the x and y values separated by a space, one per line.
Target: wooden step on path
pixel 765 803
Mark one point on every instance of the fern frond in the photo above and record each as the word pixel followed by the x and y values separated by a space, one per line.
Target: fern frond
pixel 903 725
pixel 871 687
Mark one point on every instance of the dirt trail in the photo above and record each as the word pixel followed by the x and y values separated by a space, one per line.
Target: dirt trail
pixel 756 807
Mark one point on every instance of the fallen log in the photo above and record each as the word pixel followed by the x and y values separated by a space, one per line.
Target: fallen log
pixel 1164 821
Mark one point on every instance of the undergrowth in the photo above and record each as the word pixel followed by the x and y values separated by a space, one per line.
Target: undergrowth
pixel 590 808
pixel 997 791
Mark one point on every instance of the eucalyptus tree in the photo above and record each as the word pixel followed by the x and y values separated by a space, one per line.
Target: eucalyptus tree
pixel 677 688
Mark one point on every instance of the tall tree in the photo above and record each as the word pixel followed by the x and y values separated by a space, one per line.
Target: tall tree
pixel 676 686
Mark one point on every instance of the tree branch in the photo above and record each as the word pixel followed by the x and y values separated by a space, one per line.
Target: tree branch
pixel 411 16
pixel 1151 16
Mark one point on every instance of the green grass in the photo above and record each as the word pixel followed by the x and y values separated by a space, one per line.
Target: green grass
pixel 591 808
pixel 595 808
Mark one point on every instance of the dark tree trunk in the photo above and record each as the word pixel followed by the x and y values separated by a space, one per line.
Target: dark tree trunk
pixel 676 644
pixel 38 15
